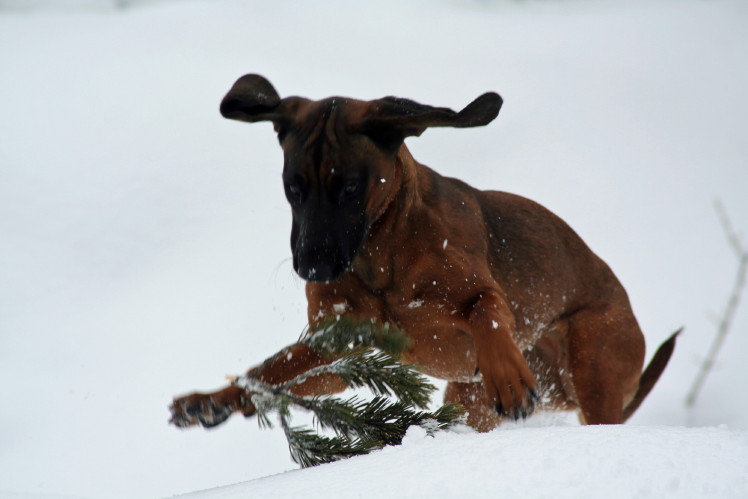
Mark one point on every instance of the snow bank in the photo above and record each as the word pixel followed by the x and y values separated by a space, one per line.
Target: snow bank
pixel 561 462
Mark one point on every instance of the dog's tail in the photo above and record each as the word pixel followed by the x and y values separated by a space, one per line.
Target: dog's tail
pixel 651 374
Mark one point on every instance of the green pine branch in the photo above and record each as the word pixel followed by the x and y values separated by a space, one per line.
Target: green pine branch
pixel 310 449
pixel 366 358
pixel 384 375
pixel 340 334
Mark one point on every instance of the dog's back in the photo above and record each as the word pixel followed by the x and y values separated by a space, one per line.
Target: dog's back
pixel 543 265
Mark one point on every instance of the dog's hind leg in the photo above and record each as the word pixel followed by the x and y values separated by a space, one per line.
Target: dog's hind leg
pixel 606 354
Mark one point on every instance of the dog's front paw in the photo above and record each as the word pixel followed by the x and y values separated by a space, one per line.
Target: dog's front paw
pixel 197 409
pixel 521 409
pixel 211 409
pixel 511 387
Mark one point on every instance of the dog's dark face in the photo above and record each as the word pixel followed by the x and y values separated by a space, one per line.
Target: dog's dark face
pixel 340 162
pixel 333 179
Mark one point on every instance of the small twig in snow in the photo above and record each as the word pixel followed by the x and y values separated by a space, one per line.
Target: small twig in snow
pixel 732 305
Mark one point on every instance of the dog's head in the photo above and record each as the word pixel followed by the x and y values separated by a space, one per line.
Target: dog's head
pixel 339 162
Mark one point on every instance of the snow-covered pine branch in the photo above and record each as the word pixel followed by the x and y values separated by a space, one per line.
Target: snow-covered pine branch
pixel 340 334
pixel 366 357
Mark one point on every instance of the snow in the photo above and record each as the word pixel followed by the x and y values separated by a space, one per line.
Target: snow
pixel 145 248
pixel 556 461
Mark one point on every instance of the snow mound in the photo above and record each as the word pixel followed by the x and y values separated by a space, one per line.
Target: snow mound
pixel 565 461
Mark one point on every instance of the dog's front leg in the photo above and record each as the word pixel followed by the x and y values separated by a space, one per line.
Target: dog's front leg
pixel 211 409
pixel 509 383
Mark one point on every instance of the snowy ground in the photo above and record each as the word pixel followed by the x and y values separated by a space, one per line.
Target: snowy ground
pixel 559 462
pixel 144 239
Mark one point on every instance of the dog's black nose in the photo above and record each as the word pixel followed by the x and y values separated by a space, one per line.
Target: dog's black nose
pixel 323 269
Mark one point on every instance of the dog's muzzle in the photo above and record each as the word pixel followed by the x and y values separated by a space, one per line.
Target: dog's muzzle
pixel 319 265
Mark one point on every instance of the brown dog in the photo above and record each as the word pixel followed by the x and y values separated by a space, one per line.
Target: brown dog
pixel 499 296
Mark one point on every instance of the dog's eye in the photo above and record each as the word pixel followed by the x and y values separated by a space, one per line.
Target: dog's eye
pixel 294 193
pixel 347 190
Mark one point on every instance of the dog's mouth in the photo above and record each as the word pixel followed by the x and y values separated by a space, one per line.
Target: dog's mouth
pixel 328 255
pixel 321 271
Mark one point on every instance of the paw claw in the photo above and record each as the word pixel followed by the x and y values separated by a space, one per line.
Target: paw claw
pixel 534 397
pixel 519 410
pixel 192 410
pixel 180 415
pixel 214 416
pixel 522 413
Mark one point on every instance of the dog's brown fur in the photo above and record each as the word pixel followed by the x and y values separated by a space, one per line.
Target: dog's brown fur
pixel 499 296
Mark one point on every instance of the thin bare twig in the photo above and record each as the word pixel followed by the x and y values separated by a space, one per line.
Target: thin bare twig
pixel 732 304
pixel 732 238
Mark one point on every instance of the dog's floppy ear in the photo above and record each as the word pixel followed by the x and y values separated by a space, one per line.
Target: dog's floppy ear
pixel 393 119
pixel 252 98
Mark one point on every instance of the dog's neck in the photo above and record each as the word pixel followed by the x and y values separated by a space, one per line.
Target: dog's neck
pixel 374 263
